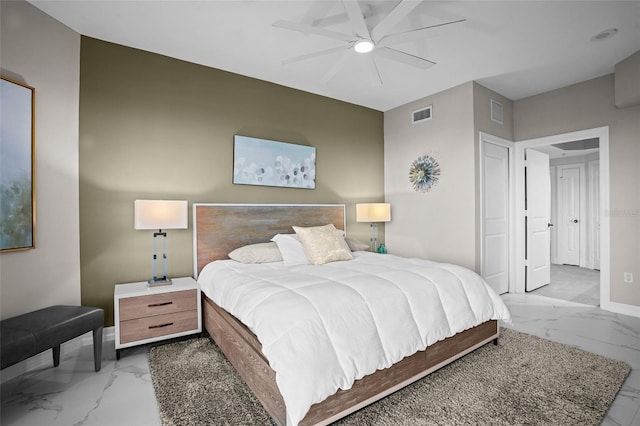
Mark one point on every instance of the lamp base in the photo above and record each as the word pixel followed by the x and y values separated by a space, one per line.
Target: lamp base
pixel 155 282
pixel 374 237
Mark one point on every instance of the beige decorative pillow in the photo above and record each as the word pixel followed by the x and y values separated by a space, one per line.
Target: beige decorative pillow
pixel 356 245
pixel 323 244
pixel 257 253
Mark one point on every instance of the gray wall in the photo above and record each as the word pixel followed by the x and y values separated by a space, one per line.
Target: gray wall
pixel 442 224
pixel 482 122
pixel 154 127
pixel 627 84
pixel 588 105
pixel 42 53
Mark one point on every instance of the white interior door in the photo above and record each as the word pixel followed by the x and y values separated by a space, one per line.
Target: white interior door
pixel 538 211
pixel 495 216
pixel 569 219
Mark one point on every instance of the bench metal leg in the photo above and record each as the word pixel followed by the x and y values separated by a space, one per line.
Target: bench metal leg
pixel 56 355
pixel 97 348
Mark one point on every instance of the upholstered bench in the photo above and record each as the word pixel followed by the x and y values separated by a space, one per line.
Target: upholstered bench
pixel 29 334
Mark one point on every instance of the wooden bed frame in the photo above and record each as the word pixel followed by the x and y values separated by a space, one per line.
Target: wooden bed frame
pixel 221 228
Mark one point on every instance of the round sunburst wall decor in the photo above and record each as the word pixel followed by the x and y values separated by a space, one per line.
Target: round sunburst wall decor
pixel 424 173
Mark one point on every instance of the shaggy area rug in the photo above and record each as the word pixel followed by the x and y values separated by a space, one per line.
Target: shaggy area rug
pixel 524 380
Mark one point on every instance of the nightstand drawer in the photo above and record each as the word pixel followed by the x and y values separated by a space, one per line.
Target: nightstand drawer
pixel 158 325
pixel 144 314
pixel 157 304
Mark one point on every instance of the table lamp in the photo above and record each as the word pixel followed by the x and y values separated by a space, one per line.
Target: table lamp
pixel 374 213
pixel 160 214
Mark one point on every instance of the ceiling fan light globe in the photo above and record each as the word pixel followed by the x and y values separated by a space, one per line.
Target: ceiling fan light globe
pixel 363 46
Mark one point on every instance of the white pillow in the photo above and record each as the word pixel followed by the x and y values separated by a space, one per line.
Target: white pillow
pixel 291 249
pixel 323 244
pixel 257 253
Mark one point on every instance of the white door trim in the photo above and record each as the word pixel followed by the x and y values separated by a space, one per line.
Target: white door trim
pixel 510 145
pixel 593 170
pixel 519 267
pixel 554 213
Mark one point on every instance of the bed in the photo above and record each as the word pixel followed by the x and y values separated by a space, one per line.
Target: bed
pixel 221 228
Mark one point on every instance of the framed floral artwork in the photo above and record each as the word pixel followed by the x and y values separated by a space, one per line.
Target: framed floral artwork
pixel 270 163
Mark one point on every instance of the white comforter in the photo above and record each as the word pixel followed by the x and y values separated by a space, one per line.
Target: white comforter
pixel 323 327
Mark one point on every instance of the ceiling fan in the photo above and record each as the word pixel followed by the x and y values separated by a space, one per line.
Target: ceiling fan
pixel 376 40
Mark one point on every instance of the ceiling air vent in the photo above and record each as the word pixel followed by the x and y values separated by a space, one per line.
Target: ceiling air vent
pixel 422 114
pixel 496 111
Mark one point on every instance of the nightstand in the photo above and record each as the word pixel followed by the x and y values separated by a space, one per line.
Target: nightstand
pixel 144 314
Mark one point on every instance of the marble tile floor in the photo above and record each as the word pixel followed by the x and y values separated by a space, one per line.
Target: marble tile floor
pixel 572 283
pixel 589 328
pixel 121 394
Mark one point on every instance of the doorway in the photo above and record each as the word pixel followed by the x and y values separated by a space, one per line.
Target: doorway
pixel 593 242
pixel 574 222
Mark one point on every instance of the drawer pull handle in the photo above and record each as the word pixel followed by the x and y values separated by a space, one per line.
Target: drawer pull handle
pixel 160 325
pixel 153 305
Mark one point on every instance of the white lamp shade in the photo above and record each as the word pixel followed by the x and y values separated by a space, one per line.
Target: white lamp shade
pixel 161 214
pixel 373 212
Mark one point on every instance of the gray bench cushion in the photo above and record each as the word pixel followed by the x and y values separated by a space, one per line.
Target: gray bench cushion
pixel 29 334
pixel 15 344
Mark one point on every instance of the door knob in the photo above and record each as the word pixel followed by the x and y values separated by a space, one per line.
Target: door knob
pixel 549 225
pixel 575 221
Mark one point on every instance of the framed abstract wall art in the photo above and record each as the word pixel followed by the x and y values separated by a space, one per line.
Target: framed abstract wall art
pixel 17 166
pixel 270 163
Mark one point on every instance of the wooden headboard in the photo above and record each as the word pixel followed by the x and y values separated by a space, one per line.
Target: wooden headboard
pixel 221 228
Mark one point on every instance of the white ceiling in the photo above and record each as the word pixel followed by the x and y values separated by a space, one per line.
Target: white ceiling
pixel 517 48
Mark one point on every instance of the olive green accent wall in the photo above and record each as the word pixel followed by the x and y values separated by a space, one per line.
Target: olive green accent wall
pixel 154 127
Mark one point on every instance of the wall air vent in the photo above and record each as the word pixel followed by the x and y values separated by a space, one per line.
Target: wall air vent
pixel 423 114
pixel 496 111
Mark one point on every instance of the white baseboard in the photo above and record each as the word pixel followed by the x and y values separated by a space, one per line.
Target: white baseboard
pixel 622 308
pixel 45 359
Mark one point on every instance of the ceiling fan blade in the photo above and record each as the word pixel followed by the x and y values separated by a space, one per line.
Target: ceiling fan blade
pixel 374 74
pixel 315 54
pixel 413 35
pixel 340 18
pixel 317 9
pixel 329 21
pixel 308 29
pixel 337 66
pixel 401 10
pixel 356 17
pixel 405 58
